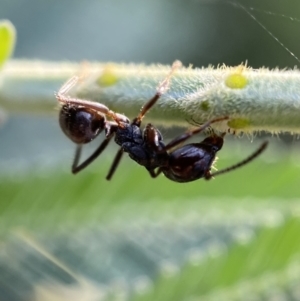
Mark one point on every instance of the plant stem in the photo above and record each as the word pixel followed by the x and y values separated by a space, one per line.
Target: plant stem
pixel 255 100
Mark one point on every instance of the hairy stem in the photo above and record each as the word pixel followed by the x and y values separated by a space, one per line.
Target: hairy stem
pixel 255 100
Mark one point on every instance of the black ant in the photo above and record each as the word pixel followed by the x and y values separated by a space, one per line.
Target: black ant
pixel 82 120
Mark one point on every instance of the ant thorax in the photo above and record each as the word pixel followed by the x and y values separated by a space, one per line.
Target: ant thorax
pixel 128 133
pixel 141 146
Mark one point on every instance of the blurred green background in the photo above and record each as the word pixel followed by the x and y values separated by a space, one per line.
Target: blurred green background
pixel 134 238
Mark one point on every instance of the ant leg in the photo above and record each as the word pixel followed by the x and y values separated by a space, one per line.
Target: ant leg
pixel 77 157
pixel 161 89
pixel 115 164
pixel 263 146
pixel 77 168
pixel 189 134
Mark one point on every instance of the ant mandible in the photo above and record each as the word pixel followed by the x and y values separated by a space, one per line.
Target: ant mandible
pixel 82 121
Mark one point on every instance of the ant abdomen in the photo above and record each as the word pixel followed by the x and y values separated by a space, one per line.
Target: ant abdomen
pixel 80 124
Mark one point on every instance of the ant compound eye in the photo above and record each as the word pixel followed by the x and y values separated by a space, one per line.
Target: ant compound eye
pixel 81 125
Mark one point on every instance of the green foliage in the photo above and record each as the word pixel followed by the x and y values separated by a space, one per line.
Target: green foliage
pixel 232 238
pixel 7 40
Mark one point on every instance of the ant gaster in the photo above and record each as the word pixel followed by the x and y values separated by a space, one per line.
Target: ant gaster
pixel 82 120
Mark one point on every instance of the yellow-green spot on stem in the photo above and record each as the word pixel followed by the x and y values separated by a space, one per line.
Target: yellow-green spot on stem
pixel 238 123
pixel 108 77
pixel 204 105
pixel 7 40
pixel 236 81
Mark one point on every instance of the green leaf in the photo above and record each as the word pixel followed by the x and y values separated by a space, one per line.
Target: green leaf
pixel 226 239
pixel 7 40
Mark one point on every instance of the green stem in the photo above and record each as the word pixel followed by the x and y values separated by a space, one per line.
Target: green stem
pixel 255 100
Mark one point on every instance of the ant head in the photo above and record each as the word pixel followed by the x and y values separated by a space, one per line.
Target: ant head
pixel 80 124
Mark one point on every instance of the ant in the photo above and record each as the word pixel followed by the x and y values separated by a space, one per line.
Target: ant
pixel 83 120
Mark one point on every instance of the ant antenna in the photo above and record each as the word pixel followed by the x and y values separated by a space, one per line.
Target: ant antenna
pixel 240 164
